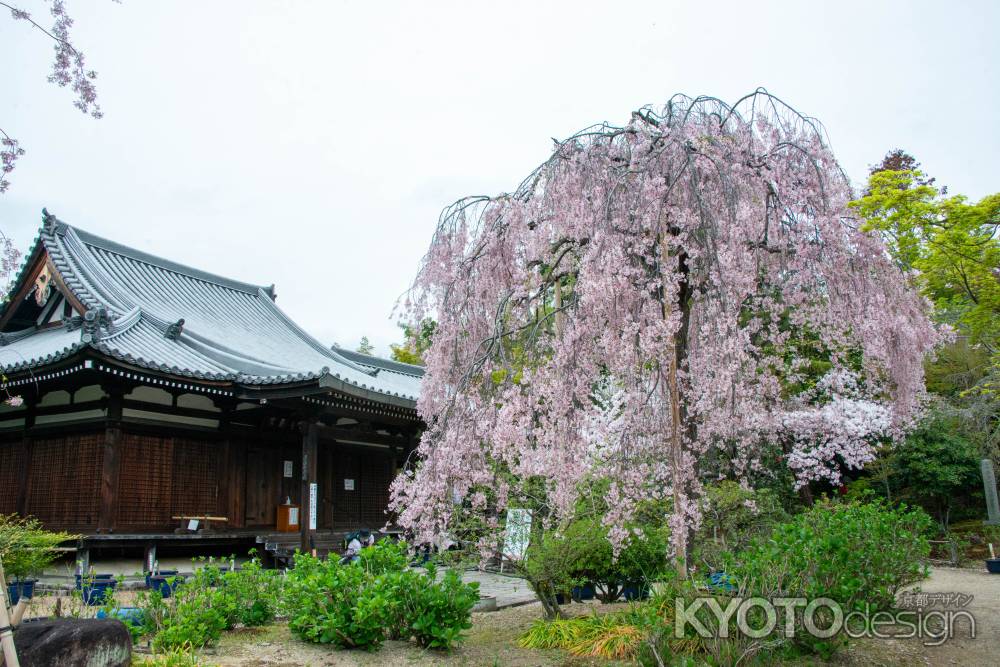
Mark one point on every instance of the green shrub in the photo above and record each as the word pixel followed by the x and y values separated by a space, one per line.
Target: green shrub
pixel 582 554
pixel 853 553
pixel 209 602
pixel 335 604
pixel 25 548
pixel 361 604
pixel 436 612
pixel 386 556
pixel 255 594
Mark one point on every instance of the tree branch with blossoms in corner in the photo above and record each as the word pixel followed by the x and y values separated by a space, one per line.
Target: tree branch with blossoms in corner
pixel 68 69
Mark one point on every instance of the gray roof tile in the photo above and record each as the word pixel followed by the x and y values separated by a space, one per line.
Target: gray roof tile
pixel 232 331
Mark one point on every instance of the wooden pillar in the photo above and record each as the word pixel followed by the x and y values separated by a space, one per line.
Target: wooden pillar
pixel 232 477
pixel 24 461
pixel 111 470
pixel 236 476
pixel 310 486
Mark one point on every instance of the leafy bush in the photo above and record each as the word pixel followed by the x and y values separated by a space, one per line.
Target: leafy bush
pixel 197 615
pixel 388 556
pixel 359 605
pixel 209 602
pixel 335 604
pixel 582 554
pixel 436 612
pixel 853 553
pixel 27 549
pixel 731 517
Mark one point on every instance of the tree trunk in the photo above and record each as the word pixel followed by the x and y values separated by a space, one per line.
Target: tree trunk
pixel 678 416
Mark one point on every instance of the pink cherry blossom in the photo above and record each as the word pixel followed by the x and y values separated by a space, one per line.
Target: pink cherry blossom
pixel 637 310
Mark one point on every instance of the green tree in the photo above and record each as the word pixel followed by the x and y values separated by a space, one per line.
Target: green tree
pixel 949 241
pixel 416 342
pixel 936 467
pixel 365 346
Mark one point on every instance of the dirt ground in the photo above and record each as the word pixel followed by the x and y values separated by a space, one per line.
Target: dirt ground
pixel 962 650
pixel 493 639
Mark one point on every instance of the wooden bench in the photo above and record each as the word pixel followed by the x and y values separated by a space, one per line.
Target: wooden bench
pixel 206 518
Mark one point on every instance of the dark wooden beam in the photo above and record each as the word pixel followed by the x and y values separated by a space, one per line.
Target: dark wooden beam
pixel 26 446
pixel 111 471
pixel 310 486
pixel 359 435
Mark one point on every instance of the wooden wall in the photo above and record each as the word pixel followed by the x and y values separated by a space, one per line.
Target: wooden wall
pixel 266 484
pixel 165 476
pixel 55 479
pixel 365 505
pixel 58 478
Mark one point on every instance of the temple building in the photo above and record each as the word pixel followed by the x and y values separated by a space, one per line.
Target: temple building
pixel 144 391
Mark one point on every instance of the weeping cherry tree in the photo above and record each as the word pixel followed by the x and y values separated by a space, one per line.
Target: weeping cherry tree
pixel 652 297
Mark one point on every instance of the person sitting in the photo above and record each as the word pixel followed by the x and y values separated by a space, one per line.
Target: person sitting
pixel 357 541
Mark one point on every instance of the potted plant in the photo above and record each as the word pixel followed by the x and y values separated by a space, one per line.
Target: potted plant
pixel 993 563
pixel 25 551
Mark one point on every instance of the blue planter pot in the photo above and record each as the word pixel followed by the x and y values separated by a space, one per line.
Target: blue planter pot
pixel 162 573
pixel 95 592
pixel 21 588
pixel 581 593
pixel 720 581
pixel 635 592
pixel 993 565
pixel 103 576
pixel 130 615
pixel 165 584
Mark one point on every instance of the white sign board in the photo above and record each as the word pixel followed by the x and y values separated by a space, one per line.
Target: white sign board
pixel 313 495
pixel 293 516
pixel 348 485
pixel 193 524
pixel 516 533
pixel 288 468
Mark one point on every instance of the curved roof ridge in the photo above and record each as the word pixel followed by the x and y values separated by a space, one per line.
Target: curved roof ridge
pixel 318 346
pixel 94 278
pixel 124 323
pixel 166 264
pixel 390 365
pixel 224 354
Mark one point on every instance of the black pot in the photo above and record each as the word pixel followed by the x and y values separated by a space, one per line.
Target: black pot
pixel 993 565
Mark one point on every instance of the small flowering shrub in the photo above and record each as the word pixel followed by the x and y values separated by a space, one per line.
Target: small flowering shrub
pixel 378 597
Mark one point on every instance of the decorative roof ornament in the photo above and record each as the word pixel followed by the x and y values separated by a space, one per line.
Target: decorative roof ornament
pixel 174 330
pixel 43 286
pixel 52 223
pixel 93 320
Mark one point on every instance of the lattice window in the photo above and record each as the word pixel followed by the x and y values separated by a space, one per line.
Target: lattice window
pixel 163 477
pixel 196 477
pixel 65 479
pixel 12 471
pixel 144 481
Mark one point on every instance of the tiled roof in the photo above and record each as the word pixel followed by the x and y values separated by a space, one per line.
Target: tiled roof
pixel 232 331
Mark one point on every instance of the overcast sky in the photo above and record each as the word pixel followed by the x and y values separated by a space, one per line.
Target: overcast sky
pixel 313 144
